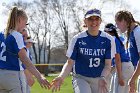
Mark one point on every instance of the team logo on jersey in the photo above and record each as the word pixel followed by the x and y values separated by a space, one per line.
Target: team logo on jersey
pixel 130 45
pixel 82 43
pixel 102 42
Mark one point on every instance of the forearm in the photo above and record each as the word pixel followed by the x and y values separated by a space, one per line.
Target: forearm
pixel 118 65
pixel 29 77
pixel 66 68
pixel 136 72
pixel 28 64
pixel 119 69
pixel 107 68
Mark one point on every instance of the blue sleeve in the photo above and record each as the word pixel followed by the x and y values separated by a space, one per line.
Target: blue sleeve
pixel 118 44
pixel 23 66
pixel 108 51
pixel 30 56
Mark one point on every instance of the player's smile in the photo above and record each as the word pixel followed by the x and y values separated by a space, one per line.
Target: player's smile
pixel 93 22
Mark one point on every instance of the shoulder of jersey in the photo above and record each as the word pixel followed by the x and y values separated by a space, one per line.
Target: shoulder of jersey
pixel 16 34
pixel 2 35
pixel 106 34
pixel 81 34
pixel 2 32
pixel 137 28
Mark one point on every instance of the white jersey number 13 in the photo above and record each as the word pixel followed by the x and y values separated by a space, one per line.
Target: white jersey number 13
pixel 96 62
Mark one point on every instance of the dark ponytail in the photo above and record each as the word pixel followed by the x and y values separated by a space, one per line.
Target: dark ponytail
pixel 112 29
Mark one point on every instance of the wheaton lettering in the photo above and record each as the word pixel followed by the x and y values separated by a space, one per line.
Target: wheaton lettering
pixel 94 52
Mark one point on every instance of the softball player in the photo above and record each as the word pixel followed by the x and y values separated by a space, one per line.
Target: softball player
pixel 12 51
pixel 125 21
pixel 89 54
pixel 123 65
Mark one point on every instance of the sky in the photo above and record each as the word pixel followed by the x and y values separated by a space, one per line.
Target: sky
pixel 134 5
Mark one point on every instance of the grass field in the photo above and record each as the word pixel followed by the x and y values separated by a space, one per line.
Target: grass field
pixel 65 88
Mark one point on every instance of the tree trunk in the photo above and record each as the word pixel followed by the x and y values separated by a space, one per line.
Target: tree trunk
pixel 34 49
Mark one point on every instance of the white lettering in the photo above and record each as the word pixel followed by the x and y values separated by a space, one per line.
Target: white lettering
pixel 90 51
pixel 93 52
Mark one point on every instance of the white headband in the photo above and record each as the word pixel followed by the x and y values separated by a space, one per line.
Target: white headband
pixel 108 29
pixel 29 40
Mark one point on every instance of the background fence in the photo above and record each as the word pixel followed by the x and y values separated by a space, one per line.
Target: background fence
pixel 49 68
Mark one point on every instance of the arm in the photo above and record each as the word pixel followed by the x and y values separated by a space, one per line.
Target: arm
pixel 110 53
pixel 57 82
pixel 66 68
pixel 136 72
pixel 29 76
pixel 26 61
pixel 119 69
pixel 102 81
pixel 134 77
pixel 107 68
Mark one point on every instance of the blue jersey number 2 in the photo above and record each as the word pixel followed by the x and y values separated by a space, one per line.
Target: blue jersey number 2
pixel 3 58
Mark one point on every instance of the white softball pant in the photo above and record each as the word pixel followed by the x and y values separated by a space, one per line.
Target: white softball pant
pixel 127 71
pixel 82 84
pixel 12 81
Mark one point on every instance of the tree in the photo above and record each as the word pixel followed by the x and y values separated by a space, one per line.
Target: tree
pixel 39 27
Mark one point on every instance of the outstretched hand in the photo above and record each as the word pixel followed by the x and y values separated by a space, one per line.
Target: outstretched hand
pixel 56 84
pixel 44 83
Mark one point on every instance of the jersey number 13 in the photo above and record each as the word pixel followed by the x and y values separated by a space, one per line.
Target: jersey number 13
pixel 94 62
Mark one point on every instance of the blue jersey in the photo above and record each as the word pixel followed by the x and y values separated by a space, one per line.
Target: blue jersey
pixel 120 49
pixel 14 42
pixel 134 45
pixel 89 52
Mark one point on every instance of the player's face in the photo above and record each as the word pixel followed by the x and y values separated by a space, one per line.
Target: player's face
pixel 25 34
pixel 22 24
pixel 93 23
pixel 122 25
pixel 29 44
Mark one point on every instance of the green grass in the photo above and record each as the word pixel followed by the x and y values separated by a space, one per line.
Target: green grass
pixel 65 88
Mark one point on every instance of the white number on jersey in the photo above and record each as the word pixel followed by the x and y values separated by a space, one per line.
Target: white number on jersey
pixel 96 62
pixel 3 58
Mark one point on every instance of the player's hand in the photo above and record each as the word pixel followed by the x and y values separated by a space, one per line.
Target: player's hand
pixel 44 83
pixel 29 77
pixel 132 85
pixel 56 84
pixel 102 85
pixel 30 81
pixel 121 81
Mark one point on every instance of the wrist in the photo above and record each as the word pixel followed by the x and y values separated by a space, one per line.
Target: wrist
pixel 102 77
pixel 119 76
pixel 60 76
pixel 39 77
